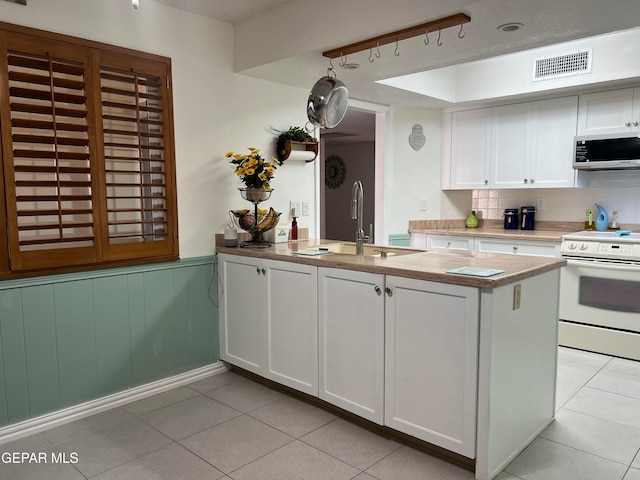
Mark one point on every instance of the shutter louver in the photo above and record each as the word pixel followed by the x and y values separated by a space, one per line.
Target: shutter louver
pixel 49 168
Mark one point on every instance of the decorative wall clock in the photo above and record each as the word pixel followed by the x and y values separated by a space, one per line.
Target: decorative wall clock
pixel 334 171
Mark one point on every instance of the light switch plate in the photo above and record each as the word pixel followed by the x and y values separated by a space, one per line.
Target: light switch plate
pixel 423 204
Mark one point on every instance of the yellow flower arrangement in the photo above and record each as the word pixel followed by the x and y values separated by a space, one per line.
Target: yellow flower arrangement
pixel 253 170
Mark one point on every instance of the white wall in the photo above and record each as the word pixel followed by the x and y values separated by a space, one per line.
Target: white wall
pixel 215 109
pixel 413 175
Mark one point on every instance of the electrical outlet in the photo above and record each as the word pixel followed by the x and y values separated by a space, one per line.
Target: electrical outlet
pixel 423 204
pixel 517 296
pixel 305 209
pixel 294 208
pixel 540 204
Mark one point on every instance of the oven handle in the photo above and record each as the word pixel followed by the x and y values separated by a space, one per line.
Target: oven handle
pixel 603 266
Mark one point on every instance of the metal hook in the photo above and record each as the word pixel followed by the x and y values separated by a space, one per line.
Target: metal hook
pixel 396 52
pixel 377 50
pixel 371 55
pixel 460 34
pixel 439 34
pixel 330 63
pixel 426 37
pixel 343 60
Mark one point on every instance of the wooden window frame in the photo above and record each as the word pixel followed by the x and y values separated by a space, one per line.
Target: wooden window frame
pixel 150 231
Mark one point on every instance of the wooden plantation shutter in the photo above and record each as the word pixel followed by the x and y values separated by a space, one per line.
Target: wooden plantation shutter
pixel 48 143
pixel 134 115
pixel 88 163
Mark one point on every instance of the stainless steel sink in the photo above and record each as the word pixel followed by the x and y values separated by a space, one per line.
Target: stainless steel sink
pixel 346 248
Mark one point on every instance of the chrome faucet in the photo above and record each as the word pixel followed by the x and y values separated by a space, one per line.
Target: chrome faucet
pixel 357 194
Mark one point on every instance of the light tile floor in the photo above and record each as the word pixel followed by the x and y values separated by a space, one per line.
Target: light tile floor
pixel 228 427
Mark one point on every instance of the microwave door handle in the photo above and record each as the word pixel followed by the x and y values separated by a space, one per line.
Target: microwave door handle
pixel 603 266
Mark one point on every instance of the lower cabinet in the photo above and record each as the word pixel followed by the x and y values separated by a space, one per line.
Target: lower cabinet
pixel 450 242
pixel 518 247
pixel 269 321
pixel 351 335
pixel 396 351
pixel 431 360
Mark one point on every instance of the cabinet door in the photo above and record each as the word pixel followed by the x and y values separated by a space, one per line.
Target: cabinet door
pixel 431 362
pixel 351 338
pixel 449 242
pixel 243 313
pixel 544 249
pixel 553 131
pixel 510 146
pixel 607 112
pixel 470 149
pixel 292 325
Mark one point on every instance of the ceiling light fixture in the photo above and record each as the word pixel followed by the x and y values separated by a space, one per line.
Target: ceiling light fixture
pixel 135 4
pixel 510 27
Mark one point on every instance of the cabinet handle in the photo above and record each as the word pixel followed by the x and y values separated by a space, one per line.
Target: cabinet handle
pixel 526 180
pixel 627 124
pixel 258 270
pixel 532 180
pixel 515 248
pixel 448 244
pixel 635 123
pixel 263 271
pixel 388 291
pixel 377 289
pixel 486 182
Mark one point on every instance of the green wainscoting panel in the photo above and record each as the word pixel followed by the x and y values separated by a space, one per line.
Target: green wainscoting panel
pixel 76 337
pixel 38 312
pixel 137 330
pixel 400 239
pixel 203 333
pixel 111 313
pixel 70 338
pixel 15 378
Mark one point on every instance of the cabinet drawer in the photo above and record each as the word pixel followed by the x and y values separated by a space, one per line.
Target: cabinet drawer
pixel 545 249
pixel 450 242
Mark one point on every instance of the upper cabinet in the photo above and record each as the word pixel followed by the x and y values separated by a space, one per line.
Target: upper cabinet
pixel 470 149
pixel 532 144
pixel 524 145
pixel 613 111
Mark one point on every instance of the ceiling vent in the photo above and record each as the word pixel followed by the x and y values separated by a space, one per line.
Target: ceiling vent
pixel 562 66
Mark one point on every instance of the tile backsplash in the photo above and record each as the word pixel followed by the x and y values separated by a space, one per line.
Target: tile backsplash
pixel 559 204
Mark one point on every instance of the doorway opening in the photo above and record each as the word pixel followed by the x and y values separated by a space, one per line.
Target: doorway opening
pixel 349 153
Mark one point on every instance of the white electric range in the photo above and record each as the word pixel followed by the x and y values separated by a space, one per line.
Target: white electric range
pixel 600 293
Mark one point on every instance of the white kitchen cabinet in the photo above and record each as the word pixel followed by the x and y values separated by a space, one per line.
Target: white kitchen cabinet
pixel 518 247
pixel 609 112
pixel 470 149
pixel 450 242
pixel 532 144
pixel 351 339
pixel 268 319
pixel 431 362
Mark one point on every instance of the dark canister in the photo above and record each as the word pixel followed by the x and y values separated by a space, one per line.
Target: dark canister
pixel 511 218
pixel 527 218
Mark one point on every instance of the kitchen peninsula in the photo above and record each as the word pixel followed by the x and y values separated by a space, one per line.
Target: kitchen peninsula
pixel 465 363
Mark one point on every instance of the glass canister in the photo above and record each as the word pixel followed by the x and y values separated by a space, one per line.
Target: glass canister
pixel 527 218
pixel 511 218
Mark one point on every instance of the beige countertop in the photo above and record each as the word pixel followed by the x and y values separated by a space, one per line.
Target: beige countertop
pixel 421 265
pixel 501 233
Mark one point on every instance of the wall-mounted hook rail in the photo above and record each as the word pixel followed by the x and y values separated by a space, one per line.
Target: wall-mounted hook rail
pixel 394 37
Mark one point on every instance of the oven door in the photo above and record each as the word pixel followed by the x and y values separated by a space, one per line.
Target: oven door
pixel 603 294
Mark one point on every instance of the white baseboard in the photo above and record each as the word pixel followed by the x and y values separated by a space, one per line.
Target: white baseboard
pixel 60 417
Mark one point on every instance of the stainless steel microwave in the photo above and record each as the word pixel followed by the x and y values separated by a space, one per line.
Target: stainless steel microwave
pixel 607 152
